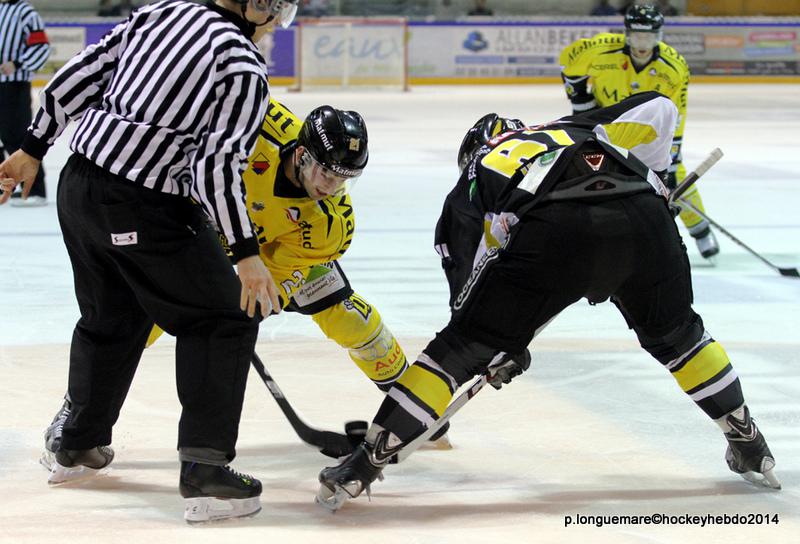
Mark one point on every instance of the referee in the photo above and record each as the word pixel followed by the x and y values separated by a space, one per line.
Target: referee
pixel 23 50
pixel 168 106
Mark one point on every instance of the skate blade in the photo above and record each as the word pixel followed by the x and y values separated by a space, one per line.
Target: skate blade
pixel 48 460
pixel 765 479
pixel 66 475
pixel 211 509
pixel 331 501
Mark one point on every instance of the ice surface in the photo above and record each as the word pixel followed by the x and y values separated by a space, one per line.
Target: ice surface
pixel 595 428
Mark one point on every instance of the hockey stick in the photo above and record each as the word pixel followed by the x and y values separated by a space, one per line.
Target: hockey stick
pixel 788 271
pixel 449 412
pixel 694 175
pixel 334 500
pixel 328 442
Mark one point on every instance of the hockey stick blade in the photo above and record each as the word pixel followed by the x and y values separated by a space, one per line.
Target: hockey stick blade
pixel 694 175
pixel 329 443
pixel 783 271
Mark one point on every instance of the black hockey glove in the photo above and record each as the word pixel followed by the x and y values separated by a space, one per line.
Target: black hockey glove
pixel 508 368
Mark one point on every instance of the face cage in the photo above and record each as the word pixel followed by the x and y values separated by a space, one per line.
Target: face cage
pixel 282 11
pixel 643 39
pixel 332 183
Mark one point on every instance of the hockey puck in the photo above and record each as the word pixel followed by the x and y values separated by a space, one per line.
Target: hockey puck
pixel 356 431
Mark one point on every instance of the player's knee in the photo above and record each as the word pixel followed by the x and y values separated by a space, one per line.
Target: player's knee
pixel 358 327
pixel 667 347
pixel 381 358
pixel 458 356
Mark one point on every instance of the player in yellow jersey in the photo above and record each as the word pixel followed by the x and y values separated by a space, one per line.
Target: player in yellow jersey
pixel 602 70
pixel 297 185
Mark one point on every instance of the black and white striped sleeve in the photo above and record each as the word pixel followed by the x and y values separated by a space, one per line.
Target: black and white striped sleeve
pixel 78 85
pixel 37 48
pixel 239 107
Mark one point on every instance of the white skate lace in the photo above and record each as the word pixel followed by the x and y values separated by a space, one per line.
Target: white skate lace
pixel 56 428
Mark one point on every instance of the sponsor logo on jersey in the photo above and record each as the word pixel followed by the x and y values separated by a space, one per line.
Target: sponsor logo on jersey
pixel 547 158
pixel 594 160
pixel 635 85
pixel 605 66
pixel 305 233
pixel 625 65
pixel 491 254
pixel 260 164
pixel 652 71
pixel 275 114
pixel 293 214
pixel 257 206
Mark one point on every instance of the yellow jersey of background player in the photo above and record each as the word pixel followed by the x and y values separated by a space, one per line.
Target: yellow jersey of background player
pixel 603 70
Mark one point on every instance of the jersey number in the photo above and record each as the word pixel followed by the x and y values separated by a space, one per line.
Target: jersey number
pixel 507 157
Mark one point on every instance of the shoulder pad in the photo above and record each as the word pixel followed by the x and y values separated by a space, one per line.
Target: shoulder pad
pixel 280 125
pixel 596 45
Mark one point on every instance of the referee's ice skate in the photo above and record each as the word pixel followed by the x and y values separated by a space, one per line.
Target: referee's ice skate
pixel 52 435
pixel 75 465
pixel 214 493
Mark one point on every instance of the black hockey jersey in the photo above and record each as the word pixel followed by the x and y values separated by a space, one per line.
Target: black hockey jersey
pixel 604 153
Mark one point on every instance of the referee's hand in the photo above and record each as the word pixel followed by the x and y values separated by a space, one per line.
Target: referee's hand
pixel 257 286
pixel 17 168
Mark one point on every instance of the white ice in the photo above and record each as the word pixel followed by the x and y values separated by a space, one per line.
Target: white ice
pixel 596 427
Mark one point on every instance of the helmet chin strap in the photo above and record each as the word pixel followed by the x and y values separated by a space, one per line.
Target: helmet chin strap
pixel 251 26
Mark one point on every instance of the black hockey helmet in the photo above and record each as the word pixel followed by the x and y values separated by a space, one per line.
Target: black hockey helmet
pixel 487 127
pixel 281 11
pixel 643 18
pixel 643 31
pixel 336 139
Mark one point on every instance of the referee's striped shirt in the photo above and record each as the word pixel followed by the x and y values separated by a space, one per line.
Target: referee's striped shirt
pixel 22 40
pixel 171 99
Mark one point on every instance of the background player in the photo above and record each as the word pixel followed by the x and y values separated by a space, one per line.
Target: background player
pixel 566 215
pixel 602 70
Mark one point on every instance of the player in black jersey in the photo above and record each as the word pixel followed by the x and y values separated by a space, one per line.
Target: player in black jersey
pixel 568 210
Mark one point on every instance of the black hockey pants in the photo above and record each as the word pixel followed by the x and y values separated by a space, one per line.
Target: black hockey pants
pixel 140 257
pixel 627 248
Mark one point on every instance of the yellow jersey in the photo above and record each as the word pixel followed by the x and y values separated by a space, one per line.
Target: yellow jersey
pixel 599 72
pixel 295 233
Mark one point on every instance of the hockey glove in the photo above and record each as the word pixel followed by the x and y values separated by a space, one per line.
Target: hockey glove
pixel 508 368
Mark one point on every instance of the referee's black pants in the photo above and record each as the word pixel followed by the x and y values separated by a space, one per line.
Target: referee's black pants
pixel 140 257
pixel 15 118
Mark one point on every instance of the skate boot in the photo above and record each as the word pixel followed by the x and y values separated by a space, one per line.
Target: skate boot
pixel 52 435
pixel 214 492
pixel 355 474
pixel 748 453
pixel 706 242
pixel 73 465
